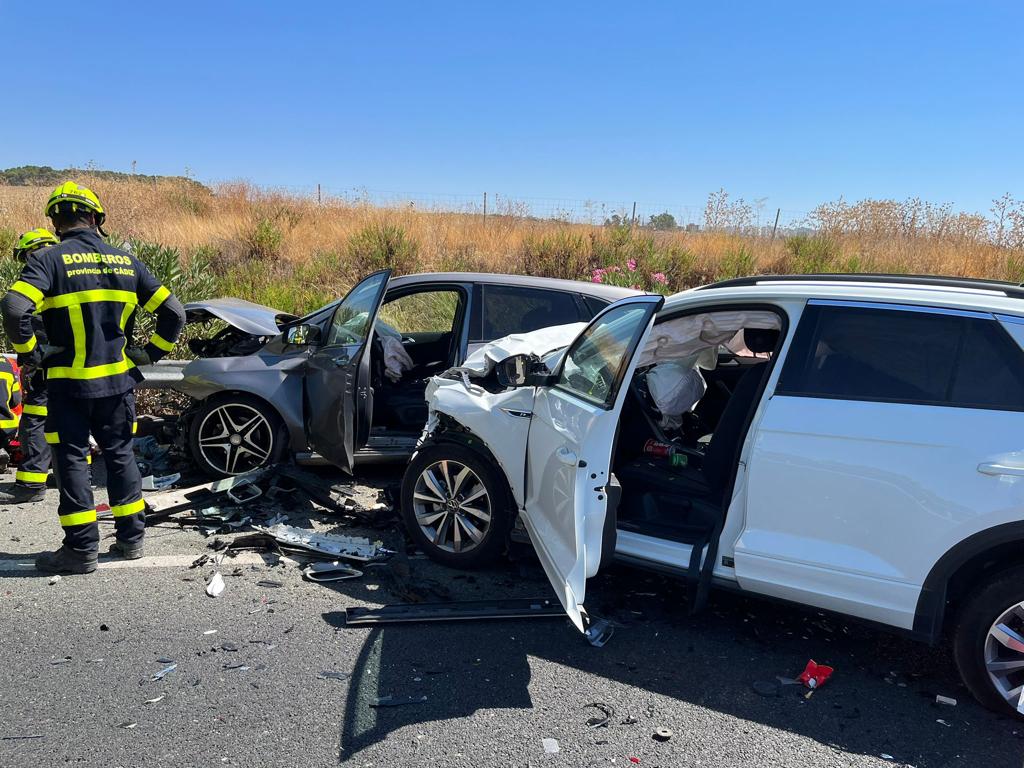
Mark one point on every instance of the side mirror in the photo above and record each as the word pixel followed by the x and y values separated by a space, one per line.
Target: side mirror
pixel 302 335
pixel 522 371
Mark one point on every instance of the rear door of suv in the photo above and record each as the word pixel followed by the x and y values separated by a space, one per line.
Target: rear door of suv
pixel 894 432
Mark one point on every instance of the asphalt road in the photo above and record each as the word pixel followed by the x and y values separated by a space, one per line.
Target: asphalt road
pixel 77 660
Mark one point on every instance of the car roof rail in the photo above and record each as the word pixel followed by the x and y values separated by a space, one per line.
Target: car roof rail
pixel 1012 290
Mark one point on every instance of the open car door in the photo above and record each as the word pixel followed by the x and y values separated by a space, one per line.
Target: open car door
pixel 569 451
pixel 339 399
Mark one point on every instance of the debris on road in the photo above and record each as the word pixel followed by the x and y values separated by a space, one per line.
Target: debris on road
pixel 320 573
pixel 550 746
pixel 165 660
pixel 161 483
pixel 65 660
pixel 328 675
pixel 600 721
pixel 23 738
pixel 356 548
pixel 210 632
pixel 269 583
pixel 599 632
pixel 236 665
pixel 164 672
pixel 466 610
pixel 215 586
pixel 54 579
pixel 662 734
pixel 400 701
pixel 948 701
pixel 128 726
pixel 154 701
pixel 815 675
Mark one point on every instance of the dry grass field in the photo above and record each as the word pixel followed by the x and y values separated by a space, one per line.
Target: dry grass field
pixel 295 254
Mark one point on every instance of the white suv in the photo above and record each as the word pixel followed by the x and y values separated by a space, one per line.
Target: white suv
pixel 853 443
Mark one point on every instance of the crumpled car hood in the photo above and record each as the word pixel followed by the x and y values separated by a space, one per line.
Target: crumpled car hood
pixel 238 313
pixel 541 343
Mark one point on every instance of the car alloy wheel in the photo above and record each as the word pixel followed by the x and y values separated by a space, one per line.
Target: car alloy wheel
pixel 1004 655
pixel 235 438
pixel 452 506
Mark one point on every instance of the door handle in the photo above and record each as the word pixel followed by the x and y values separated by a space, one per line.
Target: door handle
pixel 996 469
pixel 567 456
pixel 340 360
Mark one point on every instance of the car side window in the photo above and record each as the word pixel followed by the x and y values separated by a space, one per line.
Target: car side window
pixel 903 355
pixel 510 309
pixel 595 362
pixel 421 312
pixel 351 321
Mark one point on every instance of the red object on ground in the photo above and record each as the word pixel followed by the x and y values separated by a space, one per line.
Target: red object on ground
pixel 815 674
pixel 634 760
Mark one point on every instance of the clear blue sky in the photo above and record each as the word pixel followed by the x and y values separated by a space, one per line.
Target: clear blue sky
pixel 796 102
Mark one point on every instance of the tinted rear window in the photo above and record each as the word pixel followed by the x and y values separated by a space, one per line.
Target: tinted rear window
pixel 508 309
pixel 894 355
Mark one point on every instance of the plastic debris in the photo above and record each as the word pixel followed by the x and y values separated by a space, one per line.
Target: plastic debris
pixel 885 756
pixel 54 579
pixel 215 585
pixel 400 701
pixel 940 721
pixel 269 583
pixel 949 702
pixel 635 760
pixel 663 734
pixel 151 483
pixel 22 738
pixel 164 672
pixel 165 660
pixel 815 674
pixel 600 721
pixel 128 726
pixel 154 701
pixel 550 746
pixel 329 571
pixel 599 632
pixel 328 675
pixel 210 632
pixel 236 665
pixel 65 660
pixel 349 547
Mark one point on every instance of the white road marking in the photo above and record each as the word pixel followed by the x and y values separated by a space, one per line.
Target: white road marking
pixel 18 565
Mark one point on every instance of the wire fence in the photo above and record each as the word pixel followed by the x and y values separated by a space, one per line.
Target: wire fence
pixel 719 213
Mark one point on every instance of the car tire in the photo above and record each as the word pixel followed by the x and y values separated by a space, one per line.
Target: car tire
pixel 987 665
pixel 234 434
pixel 450 495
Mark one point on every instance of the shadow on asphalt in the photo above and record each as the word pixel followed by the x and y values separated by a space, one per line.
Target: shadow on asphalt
pixel 881 699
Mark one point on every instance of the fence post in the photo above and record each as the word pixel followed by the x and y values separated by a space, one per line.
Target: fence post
pixel 632 221
pixel 776 225
pixel 485 207
pixel 318 201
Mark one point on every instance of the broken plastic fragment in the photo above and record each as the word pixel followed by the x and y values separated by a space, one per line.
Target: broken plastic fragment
pixel 948 701
pixel 215 585
pixel 599 632
pixel 333 571
pixel 815 675
pixel 151 483
pixel 348 547
pixel 210 632
pixel 54 579
pixel 164 672
pixel 154 701
pixel 328 675
pixel 550 746
pixel 607 712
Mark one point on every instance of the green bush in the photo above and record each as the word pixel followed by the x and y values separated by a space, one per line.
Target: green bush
pixel 812 254
pixel 559 254
pixel 263 239
pixel 738 262
pixel 381 246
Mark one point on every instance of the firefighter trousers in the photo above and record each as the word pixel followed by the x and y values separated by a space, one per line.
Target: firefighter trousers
pixel 35 462
pixel 110 420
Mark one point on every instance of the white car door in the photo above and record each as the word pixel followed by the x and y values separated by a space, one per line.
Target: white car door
pixel 572 434
pixel 893 434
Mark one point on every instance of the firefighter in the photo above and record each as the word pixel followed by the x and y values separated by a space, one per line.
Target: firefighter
pixel 88 292
pixel 30 479
pixel 10 398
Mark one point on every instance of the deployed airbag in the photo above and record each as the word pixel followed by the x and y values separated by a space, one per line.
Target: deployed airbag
pixel 684 336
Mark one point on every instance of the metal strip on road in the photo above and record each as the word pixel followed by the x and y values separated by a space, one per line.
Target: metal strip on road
pixel 18 565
